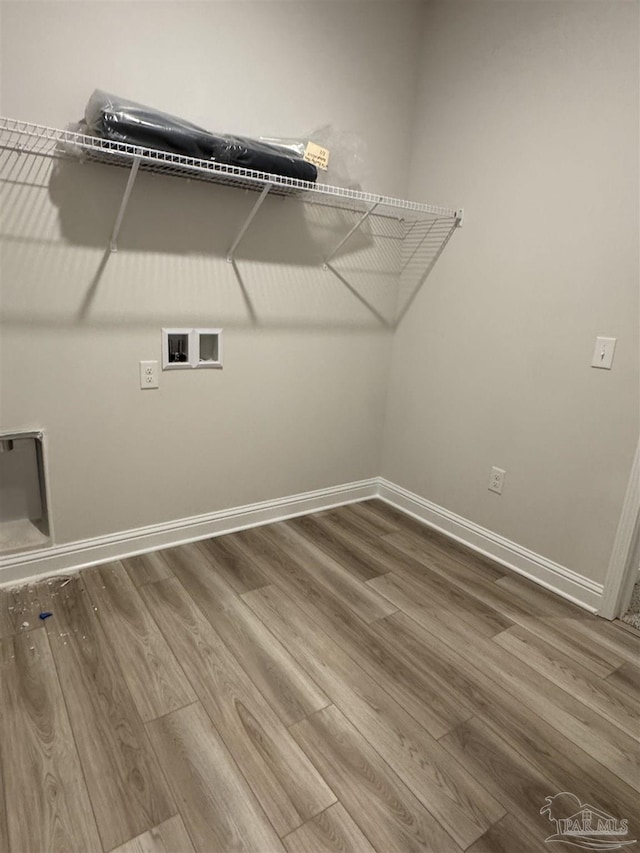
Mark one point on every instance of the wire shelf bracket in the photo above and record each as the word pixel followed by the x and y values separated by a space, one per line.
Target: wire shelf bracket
pixel 359 223
pixel 256 207
pixel 419 245
pixel 113 243
pixel 425 274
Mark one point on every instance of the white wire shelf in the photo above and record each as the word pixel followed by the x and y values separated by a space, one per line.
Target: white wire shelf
pixel 423 230
pixel 45 141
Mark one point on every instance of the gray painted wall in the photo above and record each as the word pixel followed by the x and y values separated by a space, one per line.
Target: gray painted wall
pixel 528 117
pixel 524 113
pixel 299 404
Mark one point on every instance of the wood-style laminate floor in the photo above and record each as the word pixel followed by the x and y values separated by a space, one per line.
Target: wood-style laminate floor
pixel 347 681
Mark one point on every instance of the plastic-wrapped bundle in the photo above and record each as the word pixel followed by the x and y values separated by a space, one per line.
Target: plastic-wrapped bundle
pixel 119 120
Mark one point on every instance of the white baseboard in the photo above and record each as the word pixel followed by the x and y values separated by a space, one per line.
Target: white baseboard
pixel 88 552
pixel 69 557
pixel 565 582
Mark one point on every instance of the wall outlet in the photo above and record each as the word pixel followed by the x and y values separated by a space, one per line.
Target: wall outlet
pixel 148 374
pixel 496 480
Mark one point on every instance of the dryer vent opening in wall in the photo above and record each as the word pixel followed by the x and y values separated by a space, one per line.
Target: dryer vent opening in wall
pixel 191 348
pixel 24 517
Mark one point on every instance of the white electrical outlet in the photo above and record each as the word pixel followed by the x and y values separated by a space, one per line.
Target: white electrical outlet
pixel 148 374
pixel 496 480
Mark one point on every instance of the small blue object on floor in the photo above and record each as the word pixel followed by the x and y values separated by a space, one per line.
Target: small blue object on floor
pixel 45 614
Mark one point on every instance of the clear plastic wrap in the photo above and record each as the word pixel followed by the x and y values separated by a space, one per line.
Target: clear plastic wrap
pixel 119 120
pixel 345 167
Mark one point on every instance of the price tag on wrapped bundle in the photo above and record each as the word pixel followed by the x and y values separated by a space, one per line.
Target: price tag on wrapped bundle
pixel 317 155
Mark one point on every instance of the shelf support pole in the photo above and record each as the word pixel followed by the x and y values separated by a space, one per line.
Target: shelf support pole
pixel 247 222
pixel 113 245
pixel 359 223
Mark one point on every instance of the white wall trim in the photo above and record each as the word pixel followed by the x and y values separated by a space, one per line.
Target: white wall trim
pixel 621 574
pixel 59 559
pixel 88 552
pixel 565 582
